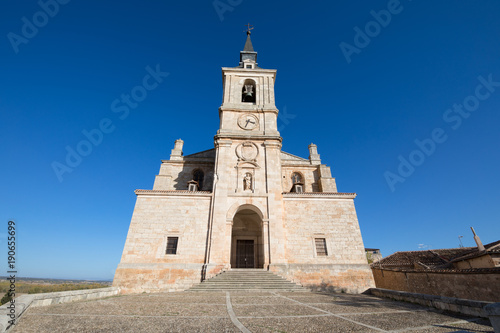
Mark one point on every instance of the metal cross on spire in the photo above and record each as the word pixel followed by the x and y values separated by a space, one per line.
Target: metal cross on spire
pixel 249 29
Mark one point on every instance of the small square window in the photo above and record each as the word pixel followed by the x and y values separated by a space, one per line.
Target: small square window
pixel 172 245
pixel 321 247
pixel 249 66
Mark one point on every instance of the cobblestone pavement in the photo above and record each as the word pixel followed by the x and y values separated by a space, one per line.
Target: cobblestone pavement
pixel 244 311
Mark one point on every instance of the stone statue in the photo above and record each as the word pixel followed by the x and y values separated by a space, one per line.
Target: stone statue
pixel 247 185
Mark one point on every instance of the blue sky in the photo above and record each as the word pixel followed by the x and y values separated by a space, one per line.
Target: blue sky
pixel 365 108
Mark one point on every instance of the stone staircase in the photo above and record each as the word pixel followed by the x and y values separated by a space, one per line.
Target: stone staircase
pixel 247 279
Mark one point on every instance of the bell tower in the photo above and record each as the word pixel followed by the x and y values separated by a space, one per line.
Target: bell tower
pixel 247 165
pixel 248 106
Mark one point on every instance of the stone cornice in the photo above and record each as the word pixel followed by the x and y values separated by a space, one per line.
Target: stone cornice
pixel 322 195
pixel 247 137
pixel 222 142
pixel 242 108
pixel 272 144
pixel 249 72
pixel 164 193
pixel 248 195
pixel 304 195
pixel 207 161
pixel 298 164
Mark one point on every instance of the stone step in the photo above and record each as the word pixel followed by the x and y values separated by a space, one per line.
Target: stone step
pixel 247 279
pixel 287 284
pixel 249 288
pixel 247 276
pixel 241 289
pixel 245 286
pixel 253 275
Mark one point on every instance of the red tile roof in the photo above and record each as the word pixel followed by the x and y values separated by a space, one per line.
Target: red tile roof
pixel 428 258
pixel 433 259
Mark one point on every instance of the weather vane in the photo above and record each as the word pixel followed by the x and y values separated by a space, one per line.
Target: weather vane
pixel 249 29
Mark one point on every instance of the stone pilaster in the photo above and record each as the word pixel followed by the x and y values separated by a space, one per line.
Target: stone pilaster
pixel 275 201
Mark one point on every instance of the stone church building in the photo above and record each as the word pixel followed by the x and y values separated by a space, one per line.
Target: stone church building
pixel 244 204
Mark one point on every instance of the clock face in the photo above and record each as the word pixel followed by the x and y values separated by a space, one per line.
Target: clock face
pixel 248 121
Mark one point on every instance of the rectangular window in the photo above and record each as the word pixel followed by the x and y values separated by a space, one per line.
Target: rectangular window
pixel 172 245
pixel 321 247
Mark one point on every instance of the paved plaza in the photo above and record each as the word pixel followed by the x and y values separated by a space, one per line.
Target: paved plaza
pixel 244 311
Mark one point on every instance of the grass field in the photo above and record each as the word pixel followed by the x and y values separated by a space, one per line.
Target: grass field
pixel 36 286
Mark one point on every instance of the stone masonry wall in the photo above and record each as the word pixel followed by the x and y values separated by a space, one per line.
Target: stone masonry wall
pixel 309 173
pixel 353 279
pixel 332 219
pixel 144 265
pixel 469 285
pixel 345 267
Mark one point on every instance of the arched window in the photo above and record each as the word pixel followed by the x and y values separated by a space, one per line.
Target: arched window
pixel 198 176
pixel 248 92
pixel 297 183
pixel 297 178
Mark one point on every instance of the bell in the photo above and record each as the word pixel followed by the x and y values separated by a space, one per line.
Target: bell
pixel 248 93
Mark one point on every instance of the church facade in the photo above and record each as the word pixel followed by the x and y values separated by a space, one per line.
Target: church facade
pixel 244 204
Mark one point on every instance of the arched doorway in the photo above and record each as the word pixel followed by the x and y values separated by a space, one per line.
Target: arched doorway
pixel 247 245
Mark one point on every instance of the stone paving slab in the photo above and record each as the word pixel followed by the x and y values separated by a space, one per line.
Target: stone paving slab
pixel 333 298
pixel 263 300
pixel 68 324
pixel 403 320
pixel 273 310
pixel 201 299
pixel 477 327
pixel 207 294
pixel 244 311
pixel 304 325
pixel 139 308
pixel 352 308
pixel 254 293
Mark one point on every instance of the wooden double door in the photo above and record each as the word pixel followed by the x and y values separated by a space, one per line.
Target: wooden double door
pixel 245 253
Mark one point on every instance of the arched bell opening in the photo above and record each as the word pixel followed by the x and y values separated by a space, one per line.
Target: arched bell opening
pixel 297 183
pixel 248 92
pixel 247 243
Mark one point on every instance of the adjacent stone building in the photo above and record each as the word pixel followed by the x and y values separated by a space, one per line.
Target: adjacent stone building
pixel 244 204
pixel 373 255
pixel 466 272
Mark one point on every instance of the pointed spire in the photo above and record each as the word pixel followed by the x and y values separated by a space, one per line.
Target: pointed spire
pixel 248 57
pixel 248 44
